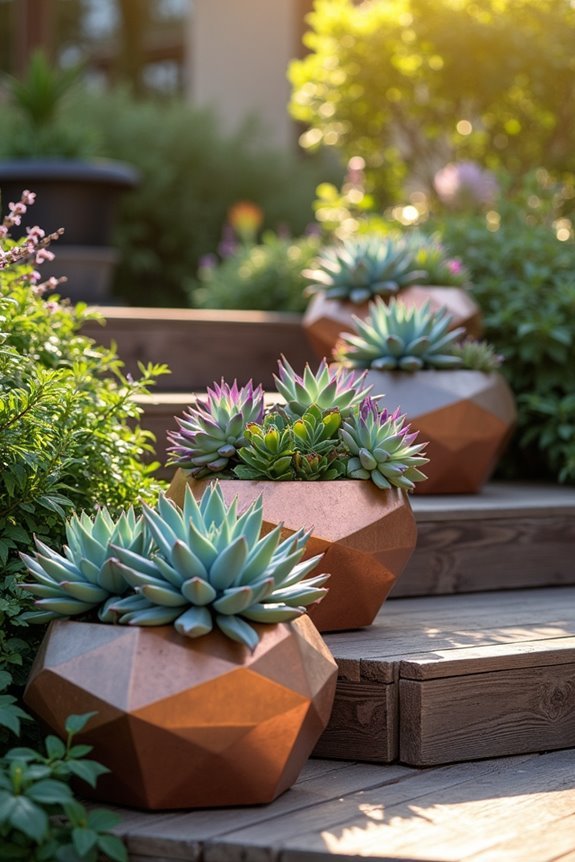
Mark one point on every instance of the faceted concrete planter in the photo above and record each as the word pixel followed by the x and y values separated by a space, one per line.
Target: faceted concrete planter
pixel 467 417
pixel 188 723
pixel 324 319
pixel 366 535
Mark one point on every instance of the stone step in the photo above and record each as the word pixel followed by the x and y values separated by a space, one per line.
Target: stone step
pixel 456 678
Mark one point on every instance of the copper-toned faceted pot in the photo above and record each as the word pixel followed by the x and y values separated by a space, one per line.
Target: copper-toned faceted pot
pixel 366 535
pixel 188 723
pixel 325 319
pixel 467 417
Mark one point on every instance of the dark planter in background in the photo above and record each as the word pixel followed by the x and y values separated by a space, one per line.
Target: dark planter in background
pixel 82 197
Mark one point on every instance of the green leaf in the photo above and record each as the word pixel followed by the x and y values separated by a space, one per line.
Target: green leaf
pixel 75 723
pixel 84 839
pixel 113 848
pixel 88 770
pixel 55 748
pixel 102 820
pixel 29 818
pixel 49 792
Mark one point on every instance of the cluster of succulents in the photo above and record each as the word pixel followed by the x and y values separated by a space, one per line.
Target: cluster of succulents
pixel 431 255
pixel 397 337
pixel 211 433
pixel 364 267
pixel 199 567
pixel 311 435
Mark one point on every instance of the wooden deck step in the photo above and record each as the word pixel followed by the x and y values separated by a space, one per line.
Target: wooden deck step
pixel 516 809
pixel 455 678
pixel 511 535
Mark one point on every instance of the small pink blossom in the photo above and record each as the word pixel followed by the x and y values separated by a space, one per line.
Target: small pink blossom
pixel 455 266
pixel 43 255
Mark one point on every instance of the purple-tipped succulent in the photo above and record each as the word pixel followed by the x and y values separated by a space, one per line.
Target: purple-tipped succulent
pixel 328 388
pixel 382 447
pixel 212 429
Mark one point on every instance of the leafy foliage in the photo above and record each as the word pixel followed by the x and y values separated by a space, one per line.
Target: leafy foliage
pixel 68 433
pixel 396 82
pixel 40 820
pixel 265 276
pixel 522 276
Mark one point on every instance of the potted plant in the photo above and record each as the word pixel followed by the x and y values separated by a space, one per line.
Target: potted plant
pixel 347 277
pixel 74 189
pixel 305 456
pixel 450 391
pixel 211 686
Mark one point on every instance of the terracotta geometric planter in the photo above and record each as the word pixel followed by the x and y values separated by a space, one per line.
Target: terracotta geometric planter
pixel 188 723
pixel 325 319
pixel 467 417
pixel 366 535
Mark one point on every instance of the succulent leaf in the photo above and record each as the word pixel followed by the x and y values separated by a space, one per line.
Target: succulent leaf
pixel 211 430
pixel 396 336
pixel 364 267
pixel 327 388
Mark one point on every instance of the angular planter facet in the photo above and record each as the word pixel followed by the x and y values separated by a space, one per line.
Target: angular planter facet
pixel 467 417
pixel 325 319
pixel 187 723
pixel 366 535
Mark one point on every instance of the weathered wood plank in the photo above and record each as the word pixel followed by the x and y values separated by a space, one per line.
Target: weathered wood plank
pixel 497 500
pixel 552 844
pixel 363 723
pixel 180 833
pixel 487 714
pixel 465 555
pixel 202 346
pixel 402 820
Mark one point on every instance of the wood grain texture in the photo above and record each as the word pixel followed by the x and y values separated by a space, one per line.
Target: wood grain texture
pixel 467 555
pixel 517 809
pixel 363 723
pixel 202 346
pixel 487 714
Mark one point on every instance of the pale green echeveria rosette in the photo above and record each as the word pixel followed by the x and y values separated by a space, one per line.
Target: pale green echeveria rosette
pixel 364 267
pixel 212 568
pixel 212 429
pixel 399 337
pixel 383 448
pixel 82 578
pixel 329 388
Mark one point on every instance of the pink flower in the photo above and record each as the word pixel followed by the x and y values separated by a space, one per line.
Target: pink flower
pixel 465 185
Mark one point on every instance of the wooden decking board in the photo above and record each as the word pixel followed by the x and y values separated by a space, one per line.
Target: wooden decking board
pixel 507 659
pixel 497 500
pixel 179 834
pixel 443 814
pixel 515 809
pixel 487 715
pixel 363 723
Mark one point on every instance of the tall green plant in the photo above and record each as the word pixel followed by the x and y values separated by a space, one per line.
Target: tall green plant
pixel 521 259
pixel 412 84
pixel 69 436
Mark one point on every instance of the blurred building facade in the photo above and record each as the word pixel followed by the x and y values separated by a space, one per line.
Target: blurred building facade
pixel 230 55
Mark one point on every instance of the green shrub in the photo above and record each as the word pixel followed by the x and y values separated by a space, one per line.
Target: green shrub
pixel 523 279
pixel 412 84
pixel 266 276
pixel 40 820
pixel 69 436
pixel 191 173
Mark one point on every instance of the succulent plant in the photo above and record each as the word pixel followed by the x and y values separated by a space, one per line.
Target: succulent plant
pixel 197 567
pixel 307 448
pixel 213 568
pixel 83 578
pixel 477 356
pixel 327 388
pixel 364 267
pixel 212 430
pixel 395 336
pixel 383 448
pixel 430 254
